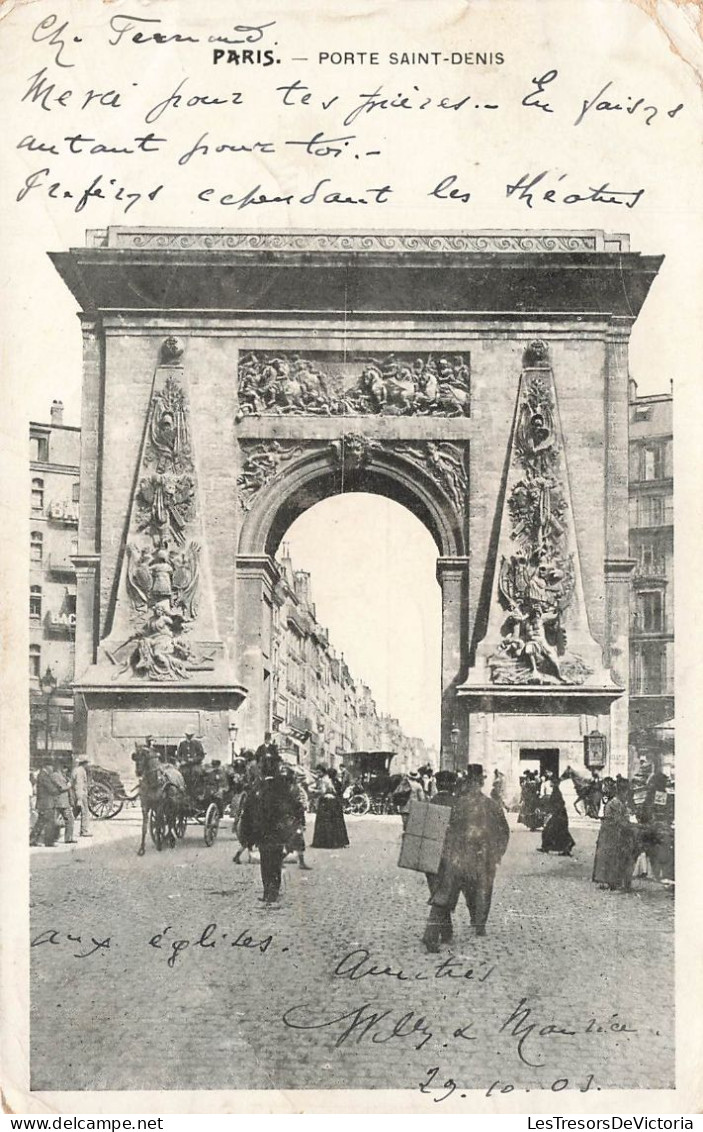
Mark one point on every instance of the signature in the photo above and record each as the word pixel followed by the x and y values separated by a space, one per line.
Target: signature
pixel 365 1021
pixel 525 1025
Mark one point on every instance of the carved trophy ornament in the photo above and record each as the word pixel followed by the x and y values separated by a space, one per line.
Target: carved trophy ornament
pixel 332 385
pixel 537 578
pixel 162 568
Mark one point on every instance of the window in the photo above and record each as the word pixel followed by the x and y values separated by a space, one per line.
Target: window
pixel 651 512
pixel 35 602
pixel 650 679
pixel 647 557
pixel 651 463
pixel 649 611
pixel 76 492
pixel 39 448
pixel 34 661
pixel 36 546
pixel 37 495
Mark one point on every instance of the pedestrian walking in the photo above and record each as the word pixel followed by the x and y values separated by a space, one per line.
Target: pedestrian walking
pixel 330 830
pixel 62 801
pixel 295 841
pixel 498 788
pixel 476 840
pixel 79 786
pixel 529 815
pixel 555 835
pixel 270 811
pixel 410 787
pixel 45 826
pixel 617 847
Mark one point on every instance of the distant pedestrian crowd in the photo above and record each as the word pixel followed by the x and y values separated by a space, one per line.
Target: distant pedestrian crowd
pixel 636 837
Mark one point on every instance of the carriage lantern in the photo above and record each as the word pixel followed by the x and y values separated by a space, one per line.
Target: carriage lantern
pixel 594 750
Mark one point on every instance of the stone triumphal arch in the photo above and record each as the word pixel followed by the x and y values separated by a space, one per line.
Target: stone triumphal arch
pixel 232 380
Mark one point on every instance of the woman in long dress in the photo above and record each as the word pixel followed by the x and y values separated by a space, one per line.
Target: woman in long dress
pixel 617 848
pixel 555 835
pixel 330 828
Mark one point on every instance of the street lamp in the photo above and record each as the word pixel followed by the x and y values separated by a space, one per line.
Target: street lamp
pixel 233 728
pixel 48 684
pixel 454 743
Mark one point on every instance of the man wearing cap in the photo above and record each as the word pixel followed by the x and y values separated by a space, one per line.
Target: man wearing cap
pixel 79 785
pixel 476 840
pixel 62 802
pixel 190 750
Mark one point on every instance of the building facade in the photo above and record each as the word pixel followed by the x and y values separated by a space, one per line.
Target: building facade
pixel 53 539
pixel 652 550
pixel 319 712
pixel 232 380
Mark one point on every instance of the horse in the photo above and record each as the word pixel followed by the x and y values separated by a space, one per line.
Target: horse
pixel 588 791
pixel 160 800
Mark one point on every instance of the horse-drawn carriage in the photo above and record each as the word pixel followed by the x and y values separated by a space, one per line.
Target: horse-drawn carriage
pixel 371 787
pixel 208 793
pixel 106 793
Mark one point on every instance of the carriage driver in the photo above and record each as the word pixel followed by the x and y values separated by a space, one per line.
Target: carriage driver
pixel 190 750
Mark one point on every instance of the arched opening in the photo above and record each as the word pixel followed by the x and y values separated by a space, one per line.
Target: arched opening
pixel 362 571
pixel 401 478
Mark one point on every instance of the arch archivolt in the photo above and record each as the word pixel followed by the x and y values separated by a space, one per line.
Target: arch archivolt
pixel 281 479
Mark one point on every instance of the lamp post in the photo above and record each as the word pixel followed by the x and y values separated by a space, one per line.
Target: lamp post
pixel 454 743
pixel 48 685
pixel 233 729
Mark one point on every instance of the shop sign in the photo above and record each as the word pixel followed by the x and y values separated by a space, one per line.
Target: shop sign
pixel 62 620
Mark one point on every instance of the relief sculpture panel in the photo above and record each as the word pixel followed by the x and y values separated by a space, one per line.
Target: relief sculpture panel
pixel 332 383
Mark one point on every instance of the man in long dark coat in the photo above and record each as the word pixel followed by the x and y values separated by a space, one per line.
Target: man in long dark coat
pixel 476 840
pixel 269 812
pixel 47 792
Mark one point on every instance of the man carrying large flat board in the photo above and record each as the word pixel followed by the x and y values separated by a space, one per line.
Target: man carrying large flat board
pixel 476 840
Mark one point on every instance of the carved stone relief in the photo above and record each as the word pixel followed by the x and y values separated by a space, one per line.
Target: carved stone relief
pixel 162 570
pixel 262 461
pixel 332 384
pixel 537 570
pixel 445 463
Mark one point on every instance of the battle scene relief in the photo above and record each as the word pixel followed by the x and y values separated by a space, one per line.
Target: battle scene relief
pixel 332 383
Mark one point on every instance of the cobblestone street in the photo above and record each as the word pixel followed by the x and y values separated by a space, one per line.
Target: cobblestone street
pixel 167 972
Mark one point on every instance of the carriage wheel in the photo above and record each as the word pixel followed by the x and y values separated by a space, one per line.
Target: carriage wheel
pixel 359 804
pixel 157 827
pixel 102 802
pixel 211 824
pixel 179 825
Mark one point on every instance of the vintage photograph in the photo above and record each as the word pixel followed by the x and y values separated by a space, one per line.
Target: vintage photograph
pixel 352 766
pixel 279 878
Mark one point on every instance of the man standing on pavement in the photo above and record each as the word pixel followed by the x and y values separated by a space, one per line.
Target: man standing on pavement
pixel 476 840
pixel 79 785
pixel 45 824
pixel 62 802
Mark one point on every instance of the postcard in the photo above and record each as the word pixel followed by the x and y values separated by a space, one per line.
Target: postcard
pixel 356 348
